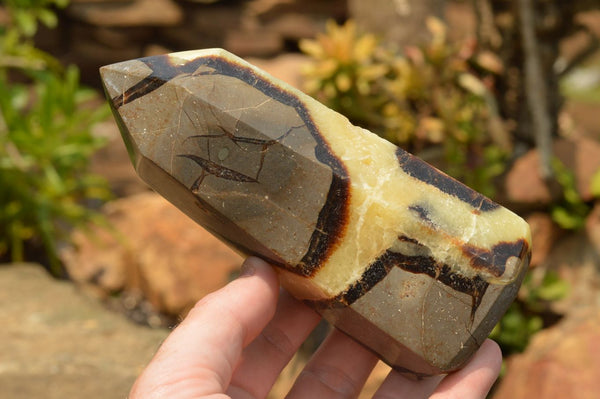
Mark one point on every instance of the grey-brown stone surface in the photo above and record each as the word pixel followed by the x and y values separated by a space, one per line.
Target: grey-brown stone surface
pixel 57 343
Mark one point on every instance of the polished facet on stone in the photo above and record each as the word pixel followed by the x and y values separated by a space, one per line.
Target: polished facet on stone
pixel 406 260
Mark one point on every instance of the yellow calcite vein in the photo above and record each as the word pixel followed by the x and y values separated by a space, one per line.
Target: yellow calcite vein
pixel 381 194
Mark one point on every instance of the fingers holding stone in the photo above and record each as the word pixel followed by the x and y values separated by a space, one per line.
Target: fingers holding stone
pixel 338 369
pixel 471 382
pixel 397 385
pixel 476 379
pixel 200 355
pixel 267 355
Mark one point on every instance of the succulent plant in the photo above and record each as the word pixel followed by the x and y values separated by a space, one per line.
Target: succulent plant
pixel 427 99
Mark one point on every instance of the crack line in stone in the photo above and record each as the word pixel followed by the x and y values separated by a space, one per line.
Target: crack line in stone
pixel 251 107
pixel 209 166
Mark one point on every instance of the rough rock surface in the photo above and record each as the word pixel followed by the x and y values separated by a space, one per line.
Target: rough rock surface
pixel 57 343
pixel 561 362
pixel 577 262
pixel 544 233
pixel 592 226
pixel 557 362
pixel 525 186
pixel 156 251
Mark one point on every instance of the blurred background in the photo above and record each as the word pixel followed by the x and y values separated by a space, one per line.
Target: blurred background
pixel 95 268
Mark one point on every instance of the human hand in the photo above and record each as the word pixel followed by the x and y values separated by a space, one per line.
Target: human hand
pixel 235 342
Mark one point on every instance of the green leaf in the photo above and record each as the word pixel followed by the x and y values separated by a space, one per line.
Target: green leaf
pixel 534 324
pixel 47 17
pixel 61 3
pixel 566 219
pixel 552 287
pixel 595 184
pixel 554 291
pixel 26 22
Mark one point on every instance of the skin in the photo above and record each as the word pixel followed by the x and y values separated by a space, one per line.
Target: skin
pixel 235 342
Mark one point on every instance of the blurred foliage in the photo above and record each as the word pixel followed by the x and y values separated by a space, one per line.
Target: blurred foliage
pixel 595 184
pixel 26 14
pixel 571 211
pixel 583 83
pixel 45 139
pixel 17 49
pixel 428 100
pixel 531 311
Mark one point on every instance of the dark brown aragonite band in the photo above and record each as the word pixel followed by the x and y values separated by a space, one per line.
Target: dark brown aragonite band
pixel 475 286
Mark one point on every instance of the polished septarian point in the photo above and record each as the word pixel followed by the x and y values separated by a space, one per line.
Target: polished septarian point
pixel 409 262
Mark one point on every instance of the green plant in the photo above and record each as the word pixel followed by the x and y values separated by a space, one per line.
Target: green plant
pixel 571 211
pixel 531 311
pixel 595 184
pixel 17 49
pixel 45 140
pixel 428 100
pixel 346 71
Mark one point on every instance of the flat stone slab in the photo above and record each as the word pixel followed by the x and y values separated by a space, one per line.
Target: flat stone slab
pixel 57 343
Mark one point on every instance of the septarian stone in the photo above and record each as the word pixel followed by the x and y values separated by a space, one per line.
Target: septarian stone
pixel 411 263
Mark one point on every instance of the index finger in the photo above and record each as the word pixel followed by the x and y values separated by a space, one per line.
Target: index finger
pixel 200 355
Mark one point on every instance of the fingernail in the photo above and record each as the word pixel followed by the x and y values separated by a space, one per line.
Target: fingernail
pixel 248 269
